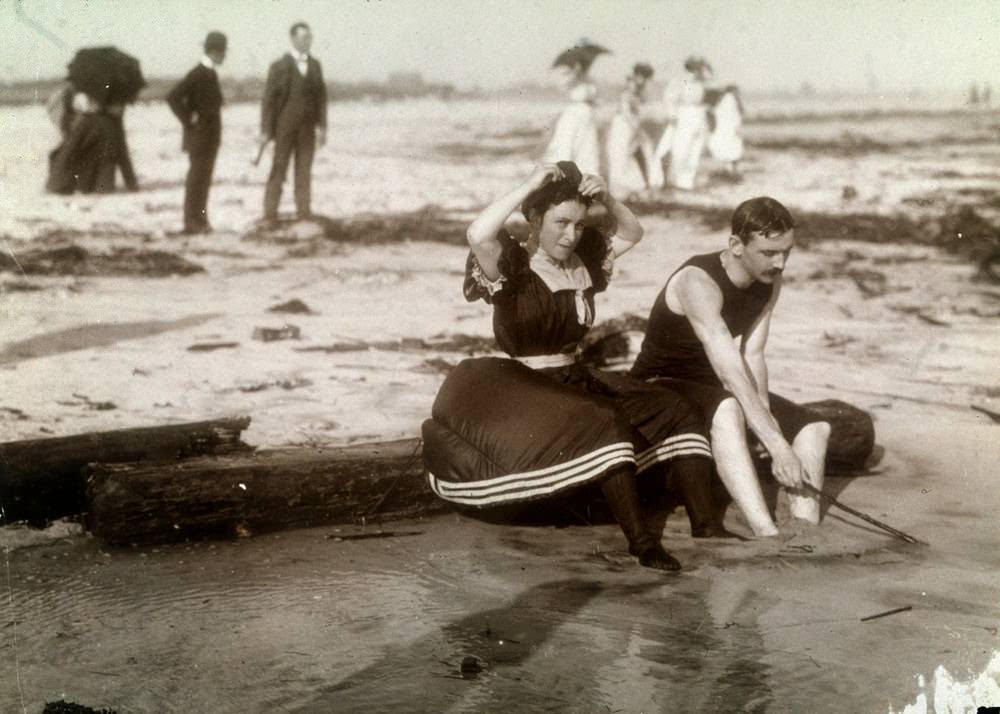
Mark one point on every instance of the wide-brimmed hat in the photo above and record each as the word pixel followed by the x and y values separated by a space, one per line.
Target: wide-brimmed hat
pixel 696 63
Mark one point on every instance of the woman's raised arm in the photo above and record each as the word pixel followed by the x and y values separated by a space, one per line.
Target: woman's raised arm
pixel 482 232
pixel 628 229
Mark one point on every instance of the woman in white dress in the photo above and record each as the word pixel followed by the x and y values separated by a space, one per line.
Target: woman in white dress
pixel 575 137
pixel 629 148
pixel 687 128
pixel 726 141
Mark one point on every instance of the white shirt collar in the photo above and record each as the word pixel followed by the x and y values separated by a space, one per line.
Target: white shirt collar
pixel 206 61
pixel 570 274
pixel 299 56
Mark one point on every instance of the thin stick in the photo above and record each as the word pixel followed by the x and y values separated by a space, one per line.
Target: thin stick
pixel 260 153
pixel 884 526
pixel 905 608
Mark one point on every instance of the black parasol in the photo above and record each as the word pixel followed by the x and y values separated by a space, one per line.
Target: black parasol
pixel 582 53
pixel 106 74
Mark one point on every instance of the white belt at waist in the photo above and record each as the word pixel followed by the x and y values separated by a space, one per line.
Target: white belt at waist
pixel 561 359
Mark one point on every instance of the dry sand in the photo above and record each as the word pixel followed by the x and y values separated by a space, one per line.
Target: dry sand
pixel 898 328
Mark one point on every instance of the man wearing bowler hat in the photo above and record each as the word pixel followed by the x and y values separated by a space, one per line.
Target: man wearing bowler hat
pixel 293 115
pixel 197 102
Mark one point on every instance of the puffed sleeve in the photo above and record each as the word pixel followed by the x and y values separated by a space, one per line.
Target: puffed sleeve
pixel 512 264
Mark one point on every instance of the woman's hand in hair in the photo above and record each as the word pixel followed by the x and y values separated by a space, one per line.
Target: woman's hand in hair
pixel 543 174
pixel 594 187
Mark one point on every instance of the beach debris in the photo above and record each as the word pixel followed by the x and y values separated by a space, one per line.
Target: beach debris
pixel 64 707
pixel 920 313
pixel 274 334
pixel 43 477
pixel 294 306
pixel 212 346
pixel 991 414
pixel 894 611
pixel 434 365
pixel 871 283
pixel 837 340
pixel 470 667
pixel 19 286
pixel 15 413
pixel 75 260
pixel 868 519
pixel 337 537
pixel 84 400
pixel 176 498
pixel 286 384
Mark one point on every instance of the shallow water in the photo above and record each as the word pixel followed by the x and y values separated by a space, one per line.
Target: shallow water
pixel 557 620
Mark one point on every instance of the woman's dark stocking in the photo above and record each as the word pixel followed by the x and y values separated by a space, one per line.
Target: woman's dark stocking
pixel 619 489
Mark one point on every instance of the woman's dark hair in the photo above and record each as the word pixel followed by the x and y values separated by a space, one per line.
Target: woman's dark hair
pixel 296 26
pixel 762 215
pixel 641 69
pixel 555 192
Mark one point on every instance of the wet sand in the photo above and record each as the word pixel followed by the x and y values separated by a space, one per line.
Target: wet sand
pixel 300 622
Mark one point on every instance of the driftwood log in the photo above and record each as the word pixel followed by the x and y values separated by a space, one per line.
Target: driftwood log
pixel 255 492
pixel 852 434
pixel 41 479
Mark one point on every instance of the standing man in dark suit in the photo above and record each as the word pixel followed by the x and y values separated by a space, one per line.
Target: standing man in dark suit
pixel 293 115
pixel 197 102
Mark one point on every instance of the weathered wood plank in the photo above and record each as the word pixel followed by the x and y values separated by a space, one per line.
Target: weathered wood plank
pixel 262 491
pixel 40 479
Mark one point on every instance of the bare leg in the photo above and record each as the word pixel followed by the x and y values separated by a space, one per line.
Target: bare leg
pixel 736 469
pixel 810 447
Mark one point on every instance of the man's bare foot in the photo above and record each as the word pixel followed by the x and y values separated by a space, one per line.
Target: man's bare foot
pixel 714 530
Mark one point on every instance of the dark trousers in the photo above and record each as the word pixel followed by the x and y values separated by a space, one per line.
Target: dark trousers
pixel 300 141
pixel 203 148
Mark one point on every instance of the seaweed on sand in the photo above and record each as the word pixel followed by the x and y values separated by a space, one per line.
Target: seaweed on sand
pixel 73 259
pixel 959 230
pixel 311 237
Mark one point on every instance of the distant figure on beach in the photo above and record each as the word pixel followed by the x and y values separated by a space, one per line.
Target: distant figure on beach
pixel 59 107
pixel 520 432
pixel 197 102
pixel 629 148
pixel 92 150
pixel 707 303
pixel 575 136
pixel 683 139
pixel 726 140
pixel 293 116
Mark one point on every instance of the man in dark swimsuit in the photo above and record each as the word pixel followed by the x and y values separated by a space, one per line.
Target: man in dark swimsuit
pixel 690 345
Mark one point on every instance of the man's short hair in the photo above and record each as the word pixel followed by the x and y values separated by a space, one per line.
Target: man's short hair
pixel 762 215
pixel 296 26
pixel 215 42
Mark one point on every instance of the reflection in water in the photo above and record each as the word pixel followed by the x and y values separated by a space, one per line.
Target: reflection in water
pixel 501 639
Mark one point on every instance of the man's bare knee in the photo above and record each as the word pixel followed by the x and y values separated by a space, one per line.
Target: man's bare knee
pixel 817 431
pixel 729 418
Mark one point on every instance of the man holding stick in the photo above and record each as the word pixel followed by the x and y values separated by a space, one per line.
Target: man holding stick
pixel 293 115
pixel 690 345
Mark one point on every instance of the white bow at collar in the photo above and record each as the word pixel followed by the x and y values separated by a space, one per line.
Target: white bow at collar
pixel 570 274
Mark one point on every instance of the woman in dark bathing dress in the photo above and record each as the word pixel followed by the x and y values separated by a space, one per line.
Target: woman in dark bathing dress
pixel 538 424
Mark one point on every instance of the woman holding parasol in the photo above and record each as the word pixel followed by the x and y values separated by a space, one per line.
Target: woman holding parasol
pixel 103 80
pixel 575 135
pixel 532 427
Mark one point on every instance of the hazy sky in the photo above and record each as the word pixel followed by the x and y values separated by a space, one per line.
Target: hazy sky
pixel 762 44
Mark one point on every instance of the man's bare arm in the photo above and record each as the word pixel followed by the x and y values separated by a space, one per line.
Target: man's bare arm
pixel 701 301
pixel 753 347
